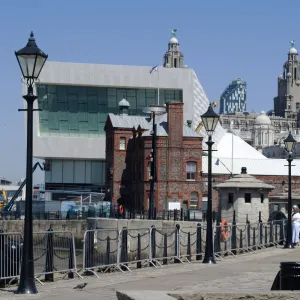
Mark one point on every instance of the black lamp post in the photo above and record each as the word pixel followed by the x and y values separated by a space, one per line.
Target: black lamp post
pixel 210 120
pixel 153 110
pixel 290 144
pixel 31 60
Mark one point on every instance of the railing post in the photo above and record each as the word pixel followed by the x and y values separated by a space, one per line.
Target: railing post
pixel 163 216
pixel 71 259
pixel 153 245
pixel 49 256
pixel 254 243
pixel 199 242
pixel 139 252
pixel 260 226
pixel 188 250
pixel 266 235
pixel 281 228
pixel 177 244
pixel 124 247
pixel 217 243
pixel 271 238
pixel 89 249
pixel 165 253
pixel 233 234
pixel 181 214
pixel 248 234
pixel 107 256
pixel 154 213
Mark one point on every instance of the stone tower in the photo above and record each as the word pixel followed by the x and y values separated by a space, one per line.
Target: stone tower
pixel 173 58
pixel 287 102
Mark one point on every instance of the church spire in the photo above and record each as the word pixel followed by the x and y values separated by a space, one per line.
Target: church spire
pixel 173 58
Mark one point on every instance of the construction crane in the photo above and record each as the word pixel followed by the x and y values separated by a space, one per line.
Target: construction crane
pixel 214 104
pixel 10 204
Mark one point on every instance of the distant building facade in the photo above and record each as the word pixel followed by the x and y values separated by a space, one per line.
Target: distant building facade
pixel 178 163
pixel 233 99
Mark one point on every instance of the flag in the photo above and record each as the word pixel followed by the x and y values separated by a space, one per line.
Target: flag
pixel 154 69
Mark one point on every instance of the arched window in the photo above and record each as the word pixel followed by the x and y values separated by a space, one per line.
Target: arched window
pixel 194 200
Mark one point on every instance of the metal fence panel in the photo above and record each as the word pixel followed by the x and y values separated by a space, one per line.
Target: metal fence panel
pixel 10 255
pixel 54 252
pixel 101 250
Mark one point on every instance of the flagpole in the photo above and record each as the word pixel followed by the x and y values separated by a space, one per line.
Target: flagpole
pixel 158 86
pixel 231 123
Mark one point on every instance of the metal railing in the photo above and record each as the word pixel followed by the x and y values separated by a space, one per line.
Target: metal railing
pixel 111 249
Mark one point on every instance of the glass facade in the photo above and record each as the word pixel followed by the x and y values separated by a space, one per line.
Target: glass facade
pixel 90 172
pixel 81 111
pixel 233 99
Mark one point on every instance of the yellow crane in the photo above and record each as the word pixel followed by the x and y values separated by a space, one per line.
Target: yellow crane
pixel 3 199
pixel 214 104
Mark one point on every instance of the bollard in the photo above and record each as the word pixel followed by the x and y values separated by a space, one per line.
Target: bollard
pixel 153 245
pixel 71 259
pixel 165 261
pixel 199 242
pixel 139 252
pixel 49 257
pixel 289 276
pixel 124 248
pixel 176 244
pixel 107 254
pixel 188 250
pixel 233 234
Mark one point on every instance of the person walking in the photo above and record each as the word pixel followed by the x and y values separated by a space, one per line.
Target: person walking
pixel 295 225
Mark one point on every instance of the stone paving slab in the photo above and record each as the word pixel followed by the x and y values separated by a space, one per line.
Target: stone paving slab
pixel 242 274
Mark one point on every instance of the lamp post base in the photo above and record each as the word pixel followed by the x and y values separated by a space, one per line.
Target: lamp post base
pixel 209 260
pixel 288 245
pixel 27 287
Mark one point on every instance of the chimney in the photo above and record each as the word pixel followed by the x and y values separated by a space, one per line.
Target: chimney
pixel 189 123
pixel 175 123
pixel 244 170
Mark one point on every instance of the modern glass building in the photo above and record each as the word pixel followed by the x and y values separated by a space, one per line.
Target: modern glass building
pixel 233 99
pixel 75 100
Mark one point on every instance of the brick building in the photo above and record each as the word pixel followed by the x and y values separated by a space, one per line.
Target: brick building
pixel 178 159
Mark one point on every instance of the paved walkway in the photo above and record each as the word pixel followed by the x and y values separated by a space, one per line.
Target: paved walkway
pixel 244 273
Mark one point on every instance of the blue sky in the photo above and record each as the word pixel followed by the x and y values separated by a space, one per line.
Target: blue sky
pixel 221 40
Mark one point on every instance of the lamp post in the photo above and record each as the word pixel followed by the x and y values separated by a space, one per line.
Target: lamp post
pixel 210 120
pixel 31 60
pixel 290 144
pixel 154 110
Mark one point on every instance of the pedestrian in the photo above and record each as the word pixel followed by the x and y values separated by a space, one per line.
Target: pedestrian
pixel 295 225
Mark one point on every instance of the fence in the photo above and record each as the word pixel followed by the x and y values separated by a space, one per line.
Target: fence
pixel 53 252
pixel 104 250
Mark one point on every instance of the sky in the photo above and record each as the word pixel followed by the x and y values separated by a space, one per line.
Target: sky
pixel 221 40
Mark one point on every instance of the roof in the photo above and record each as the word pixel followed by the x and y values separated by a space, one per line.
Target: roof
pixel 244 181
pixel 241 149
pixel 265 166
pixel 162 128
pixel 128 121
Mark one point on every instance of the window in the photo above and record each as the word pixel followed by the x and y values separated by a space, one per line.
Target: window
pixel 191 170
pixel 262 198
pixel 230 198
pixel 194 200
pixel 122 143
pixel 247 198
